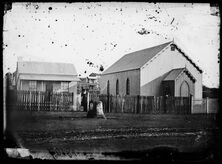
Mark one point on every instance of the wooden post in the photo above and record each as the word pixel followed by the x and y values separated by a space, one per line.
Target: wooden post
pixel 73 102
pixel 87 101
pixel 141 104
pixel 38 101
pixel 138 104
pixel 134 104
pixel 123 101
pixel 117 103
pixel 30 97
pixel 207 103
pixel 108 103
pixel 191 105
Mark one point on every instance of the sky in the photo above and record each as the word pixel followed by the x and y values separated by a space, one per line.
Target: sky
pixel 89 35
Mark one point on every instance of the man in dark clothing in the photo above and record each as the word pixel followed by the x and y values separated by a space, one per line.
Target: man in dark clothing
pixel 84 100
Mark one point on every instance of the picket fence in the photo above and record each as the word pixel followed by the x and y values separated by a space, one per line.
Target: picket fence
pixel 44 101
pixel 146 104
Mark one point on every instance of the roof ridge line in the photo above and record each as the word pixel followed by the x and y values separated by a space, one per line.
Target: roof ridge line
pixel 156 53
pixel 131 57
pixel 149 48
pixel 44 62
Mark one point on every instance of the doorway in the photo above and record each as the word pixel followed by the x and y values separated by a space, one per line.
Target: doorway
pixel 49 90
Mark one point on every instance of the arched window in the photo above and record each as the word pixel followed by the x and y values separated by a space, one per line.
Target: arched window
pixel 127 87
pixel 108 87
pixel 117 87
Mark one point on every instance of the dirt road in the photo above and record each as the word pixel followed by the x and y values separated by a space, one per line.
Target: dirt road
pixel 71 133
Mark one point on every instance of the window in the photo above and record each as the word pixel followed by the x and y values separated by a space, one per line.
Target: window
pixel 117 87
pixel 127 87
pixel 32 85
pixel 64 86
pixel 108 87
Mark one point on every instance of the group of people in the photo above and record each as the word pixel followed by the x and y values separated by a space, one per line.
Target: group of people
pixel 95 110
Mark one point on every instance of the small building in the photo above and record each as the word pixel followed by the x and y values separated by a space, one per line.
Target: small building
pixel 45 77
pixel 94 80
pixel 157 71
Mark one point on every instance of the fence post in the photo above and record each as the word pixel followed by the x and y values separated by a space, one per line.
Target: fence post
pixel 107 107
pixel 87 101
pixel 138 104
pixel 73 102
pixel 153 105
pixel 117 103
pixel 191 104
pixel 39 101
pixel 123 101
pixel 207 103
pixel 141 104
pixel 135 104
pixel 30 98
pixel 110 103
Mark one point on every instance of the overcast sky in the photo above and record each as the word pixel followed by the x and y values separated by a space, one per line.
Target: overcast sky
pixel 101 33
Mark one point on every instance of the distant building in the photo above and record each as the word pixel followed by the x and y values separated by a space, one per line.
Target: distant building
pixel 45 77
pixel 89 83
pixel 161 70
pixel 87 88
pixel 94 79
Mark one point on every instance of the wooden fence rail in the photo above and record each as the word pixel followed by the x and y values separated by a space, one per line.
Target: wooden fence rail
pixel 146 104
pixel 44 101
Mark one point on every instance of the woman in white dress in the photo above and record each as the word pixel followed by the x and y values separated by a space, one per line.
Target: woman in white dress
pixel 99 109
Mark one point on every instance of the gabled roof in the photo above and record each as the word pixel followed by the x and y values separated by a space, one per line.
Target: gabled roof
pixel 45 71
pixel 46 68
pixel 135 60
pixel 175 73
pixel 94 74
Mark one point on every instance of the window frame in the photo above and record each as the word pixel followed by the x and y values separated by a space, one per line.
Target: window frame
pixel 117 87
pixel 32 85
pixel 63 87
pixel 127 86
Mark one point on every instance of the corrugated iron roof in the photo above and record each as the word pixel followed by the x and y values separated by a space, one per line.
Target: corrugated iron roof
pixel 173 74
pixel 30 67
pixel 44 77
pixel 135 60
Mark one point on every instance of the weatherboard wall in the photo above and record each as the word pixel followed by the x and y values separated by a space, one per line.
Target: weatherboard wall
pixel 133 75
pixel 154 71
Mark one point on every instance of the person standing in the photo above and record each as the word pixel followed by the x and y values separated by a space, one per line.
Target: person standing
pixel 99 110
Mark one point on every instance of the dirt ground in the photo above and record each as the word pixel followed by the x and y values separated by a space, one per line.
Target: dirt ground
pixel 68 133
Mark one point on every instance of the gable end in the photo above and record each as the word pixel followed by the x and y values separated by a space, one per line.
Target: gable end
pixel 188 58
